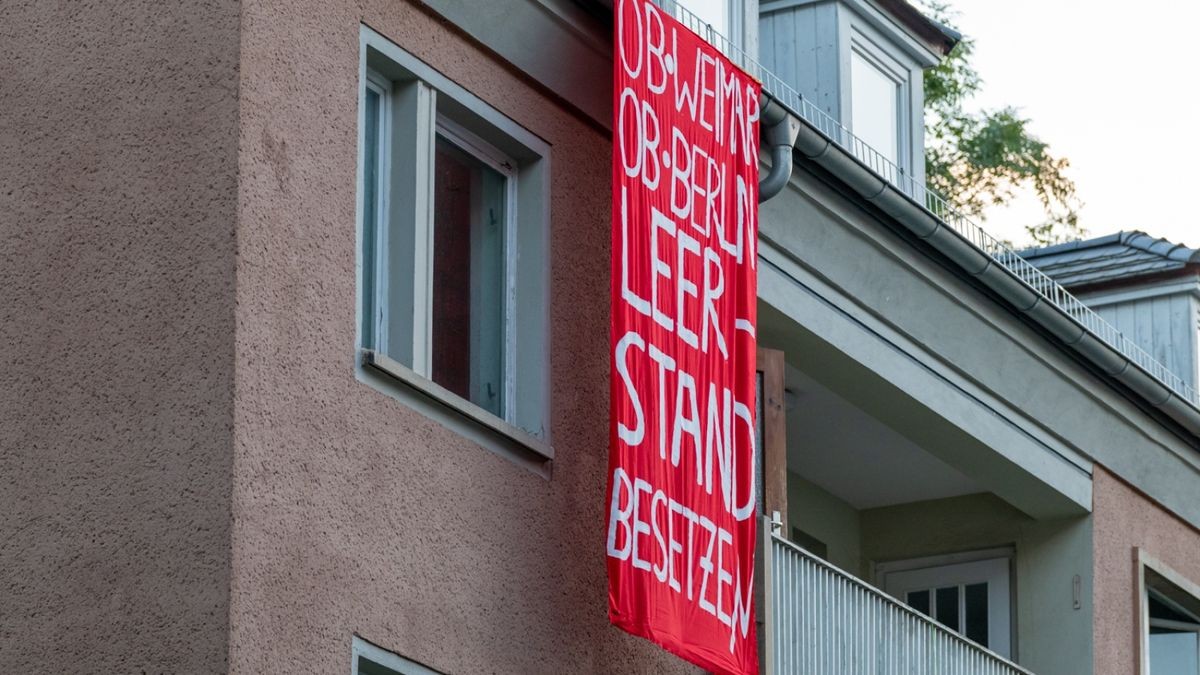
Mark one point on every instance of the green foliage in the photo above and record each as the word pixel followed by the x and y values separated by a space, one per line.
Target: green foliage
pixel 979 159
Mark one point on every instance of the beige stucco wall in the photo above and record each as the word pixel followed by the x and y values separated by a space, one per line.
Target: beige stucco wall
pixel 1124 521
pixel 1053 637
pixel 831 520
pixel 352 512
pixel 118 169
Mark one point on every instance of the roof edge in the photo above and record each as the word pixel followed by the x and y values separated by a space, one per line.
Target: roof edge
pixel 1159 246
pixel 1054 249
pixel 1021 298
pixel 932 32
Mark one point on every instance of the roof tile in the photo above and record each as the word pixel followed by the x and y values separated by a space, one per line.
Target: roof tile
pixel 1124 255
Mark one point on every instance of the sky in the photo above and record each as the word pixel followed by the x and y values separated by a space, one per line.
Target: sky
pixel 1115 88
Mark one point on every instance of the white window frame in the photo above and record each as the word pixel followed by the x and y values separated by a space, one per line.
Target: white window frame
pixel 383 88
pixel 393 343
pixel 897 578
pixel 860 28
pixel 876 57
pixel 495 159
pixel 1147 562
pixel 735 18
pixel 361 649
pixel 1196 352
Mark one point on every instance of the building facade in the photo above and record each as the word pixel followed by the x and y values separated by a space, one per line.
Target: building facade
pixel 306 334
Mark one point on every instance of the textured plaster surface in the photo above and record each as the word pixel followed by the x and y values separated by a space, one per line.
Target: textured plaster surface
pixel 353 513
pixel 1125 520
pixel 118 159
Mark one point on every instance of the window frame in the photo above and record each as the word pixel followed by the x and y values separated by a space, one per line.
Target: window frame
pixel 736 19
pixel 495 159
pixel 861 56
pixel 395 258
pixel 361 649
pixel 1196 348
pixel 383 89
pixel 1149 566
pixel 978 559
pixel 875 56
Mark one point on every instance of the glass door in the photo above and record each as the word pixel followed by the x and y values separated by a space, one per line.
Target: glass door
pixel 971 598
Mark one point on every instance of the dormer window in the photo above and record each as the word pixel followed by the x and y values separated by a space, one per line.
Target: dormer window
pixel 860 63
pixel 875 101
pixel 881 107
pixel 723 16
pixel 712 12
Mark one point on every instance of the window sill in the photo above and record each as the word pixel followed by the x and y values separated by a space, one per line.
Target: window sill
pixel 460 414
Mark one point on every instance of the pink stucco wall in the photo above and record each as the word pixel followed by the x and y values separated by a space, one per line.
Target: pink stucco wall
pixel 118 184
pixel 353 513
pixel 1125 520
pixel 192 478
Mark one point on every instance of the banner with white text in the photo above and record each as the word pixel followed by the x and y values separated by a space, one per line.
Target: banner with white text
pixel 681 484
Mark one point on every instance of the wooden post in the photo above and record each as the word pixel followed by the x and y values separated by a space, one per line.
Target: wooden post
pixel 774 434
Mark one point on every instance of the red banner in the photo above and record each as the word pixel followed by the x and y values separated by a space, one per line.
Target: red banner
pixel 681 491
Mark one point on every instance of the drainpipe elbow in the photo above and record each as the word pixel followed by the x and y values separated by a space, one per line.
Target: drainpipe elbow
pixel 781 171
pixel 780 130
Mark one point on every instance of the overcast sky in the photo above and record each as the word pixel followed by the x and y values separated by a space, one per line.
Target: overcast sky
pixel 1111 86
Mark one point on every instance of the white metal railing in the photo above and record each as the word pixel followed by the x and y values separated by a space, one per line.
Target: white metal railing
pixel 919 193
pixel 823 621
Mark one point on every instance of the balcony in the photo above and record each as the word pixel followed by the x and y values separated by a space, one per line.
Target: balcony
pixel 822 620
pixel 913 534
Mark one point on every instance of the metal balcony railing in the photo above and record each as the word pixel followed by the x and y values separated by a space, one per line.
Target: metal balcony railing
pixel 920 194
pixel 822 621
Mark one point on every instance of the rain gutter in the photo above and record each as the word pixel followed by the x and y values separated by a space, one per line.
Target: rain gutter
pixel 818 148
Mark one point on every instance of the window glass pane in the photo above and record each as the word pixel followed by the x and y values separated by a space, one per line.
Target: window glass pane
pixel 919 600
pixel 874 104
pixel 1162 610
pixel 714 13
pixel 1173 652
pixel 468 277
pixel 946 606
pixel 370 211
pixel 975 598
pixel 810 543
pixel 366 667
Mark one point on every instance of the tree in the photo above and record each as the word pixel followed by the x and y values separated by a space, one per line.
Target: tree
pixel 979 159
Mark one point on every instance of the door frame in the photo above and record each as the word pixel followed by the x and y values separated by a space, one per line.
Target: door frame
pixel 880 570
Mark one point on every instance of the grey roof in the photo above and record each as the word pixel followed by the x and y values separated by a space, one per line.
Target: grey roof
pixel 1115 257
pixel 941 36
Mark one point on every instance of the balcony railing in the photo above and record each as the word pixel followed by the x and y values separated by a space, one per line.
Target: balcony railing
pixel 822 621
pixel 937 206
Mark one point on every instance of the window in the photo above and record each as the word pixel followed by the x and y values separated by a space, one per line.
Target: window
pixel 875 107
pixel 715 13
pixel 723 17
pixel 453 232
pixel 810 543
pixel 1196 355
pixel 371 660
pixel 472 186
pixel 968 593
pixel 1174 637
pixel 1171 621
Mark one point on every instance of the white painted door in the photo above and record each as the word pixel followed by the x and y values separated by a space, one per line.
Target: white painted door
pixel 972 598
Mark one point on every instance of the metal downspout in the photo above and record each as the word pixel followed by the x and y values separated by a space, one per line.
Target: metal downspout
pixel 780 130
